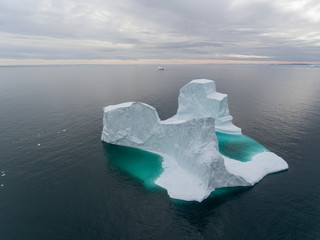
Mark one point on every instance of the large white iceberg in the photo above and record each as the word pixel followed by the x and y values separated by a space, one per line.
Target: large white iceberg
pixel 193 166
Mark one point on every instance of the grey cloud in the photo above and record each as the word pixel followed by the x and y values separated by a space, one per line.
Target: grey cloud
pixel 186 45
pixel 157 29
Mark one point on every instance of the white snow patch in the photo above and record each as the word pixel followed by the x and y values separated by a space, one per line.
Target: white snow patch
pixel 253 171
pixel 180 183
pixel 121 105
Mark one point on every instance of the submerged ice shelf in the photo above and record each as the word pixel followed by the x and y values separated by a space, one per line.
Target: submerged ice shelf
pixel 192 164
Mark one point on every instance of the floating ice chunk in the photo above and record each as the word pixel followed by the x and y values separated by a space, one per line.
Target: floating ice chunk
pixel 193 166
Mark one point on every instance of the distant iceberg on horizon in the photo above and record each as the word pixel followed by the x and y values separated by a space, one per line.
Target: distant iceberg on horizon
pixel 193 166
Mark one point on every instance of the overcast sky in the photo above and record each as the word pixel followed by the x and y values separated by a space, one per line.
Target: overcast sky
pixel 175 30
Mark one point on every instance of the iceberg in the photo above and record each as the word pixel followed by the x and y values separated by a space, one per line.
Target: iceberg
pixel 193 166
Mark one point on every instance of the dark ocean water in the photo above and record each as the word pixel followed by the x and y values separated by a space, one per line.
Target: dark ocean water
pixel 59 181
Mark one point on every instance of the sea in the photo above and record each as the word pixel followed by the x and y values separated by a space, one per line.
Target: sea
pixel 58 180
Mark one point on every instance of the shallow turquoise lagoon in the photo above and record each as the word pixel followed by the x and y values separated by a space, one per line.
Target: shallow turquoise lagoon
pixel 142 165
pixel 238 147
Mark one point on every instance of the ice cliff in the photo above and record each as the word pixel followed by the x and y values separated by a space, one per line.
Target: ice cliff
pixel 200 99
pixel 193 166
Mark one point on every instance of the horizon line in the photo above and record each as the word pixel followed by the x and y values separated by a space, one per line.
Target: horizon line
pixel 44 62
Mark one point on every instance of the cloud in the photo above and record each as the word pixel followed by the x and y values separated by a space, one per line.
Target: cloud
pixel 285 30
pixel 245 56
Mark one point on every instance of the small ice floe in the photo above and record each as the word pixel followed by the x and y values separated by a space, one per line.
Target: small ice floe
pixel 2 174
pixel 39 132
pixel 2 185
pixel 39 144
pixel 64 130
pixel 161 68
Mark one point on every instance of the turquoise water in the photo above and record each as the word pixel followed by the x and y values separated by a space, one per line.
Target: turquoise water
pixel 146 166
pixel 142 165
pixel 238 147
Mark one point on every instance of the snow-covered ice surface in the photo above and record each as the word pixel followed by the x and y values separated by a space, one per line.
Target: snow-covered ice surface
pixel 199 98
pixel 193 166
pixel 253 171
